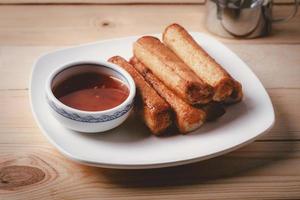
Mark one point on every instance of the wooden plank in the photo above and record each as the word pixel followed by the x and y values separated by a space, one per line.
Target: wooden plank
pixel 286 103
pixel 30 168
pixel 268 64
pixel 17 62
pixel 275 65
pixel 114 1
pixel 262 170
pixel 19 125
pixel 64 25
pixel 101 1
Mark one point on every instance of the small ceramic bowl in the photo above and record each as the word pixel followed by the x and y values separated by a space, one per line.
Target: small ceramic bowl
pixel 89 121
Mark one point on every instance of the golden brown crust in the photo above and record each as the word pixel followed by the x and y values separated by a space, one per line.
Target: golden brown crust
pixel 171 70
pixel 223 89
pixel 188 118
pixel 237 94
pixel 185 47
pixel 156 111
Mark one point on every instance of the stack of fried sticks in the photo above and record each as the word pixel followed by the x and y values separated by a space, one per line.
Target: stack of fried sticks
pixel 177 81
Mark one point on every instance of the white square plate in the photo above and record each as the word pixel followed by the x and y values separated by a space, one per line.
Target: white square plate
pixel 131 145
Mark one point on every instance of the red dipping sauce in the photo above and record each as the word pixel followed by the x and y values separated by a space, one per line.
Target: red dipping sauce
pixel 91 91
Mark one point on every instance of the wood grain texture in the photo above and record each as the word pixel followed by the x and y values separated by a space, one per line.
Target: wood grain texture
pixel 67 24
pixel 102 1
pixel 114 1
pixel 262 170
pixel 30 168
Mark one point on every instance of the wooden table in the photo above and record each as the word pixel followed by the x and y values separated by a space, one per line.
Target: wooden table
pixel 31 168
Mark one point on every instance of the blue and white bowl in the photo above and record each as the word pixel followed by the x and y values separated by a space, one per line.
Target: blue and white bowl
pixel 89 121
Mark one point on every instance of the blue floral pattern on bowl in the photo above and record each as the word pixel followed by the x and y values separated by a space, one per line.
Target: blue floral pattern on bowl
pixel 89 118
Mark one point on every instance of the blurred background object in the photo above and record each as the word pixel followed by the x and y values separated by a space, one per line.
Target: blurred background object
pixel 242 18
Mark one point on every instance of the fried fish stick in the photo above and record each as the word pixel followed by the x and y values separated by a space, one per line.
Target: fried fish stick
pixel 186 48
pixel 171 70
pixel 188 118
pixel 156 112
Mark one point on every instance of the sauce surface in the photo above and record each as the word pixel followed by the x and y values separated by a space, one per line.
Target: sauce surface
pixel 91 91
